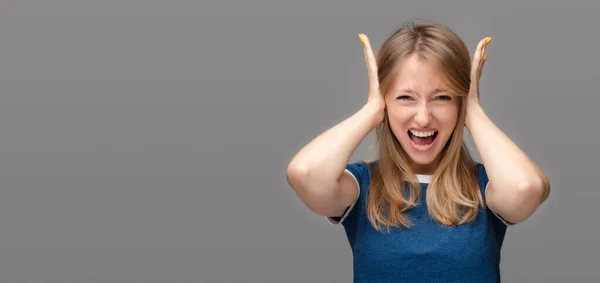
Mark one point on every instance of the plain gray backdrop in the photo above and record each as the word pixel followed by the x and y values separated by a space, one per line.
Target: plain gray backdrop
pixel 147 141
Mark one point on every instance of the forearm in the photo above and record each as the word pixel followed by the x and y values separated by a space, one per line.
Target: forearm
pixel 323 160
pixel 509 169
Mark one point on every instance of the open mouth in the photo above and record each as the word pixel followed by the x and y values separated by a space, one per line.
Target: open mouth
pixel 422 138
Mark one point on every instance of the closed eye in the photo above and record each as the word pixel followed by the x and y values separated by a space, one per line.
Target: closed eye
pixel 404 97
pixel 444 97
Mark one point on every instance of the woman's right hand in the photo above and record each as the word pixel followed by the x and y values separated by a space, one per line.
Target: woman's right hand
pixel 375 97
pixel 317 172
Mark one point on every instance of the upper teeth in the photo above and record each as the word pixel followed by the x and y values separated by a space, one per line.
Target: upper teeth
pixel 422 134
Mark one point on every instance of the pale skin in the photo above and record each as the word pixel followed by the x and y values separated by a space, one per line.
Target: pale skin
pixel 517 185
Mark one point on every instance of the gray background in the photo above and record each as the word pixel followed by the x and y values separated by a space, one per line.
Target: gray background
pixel 146 141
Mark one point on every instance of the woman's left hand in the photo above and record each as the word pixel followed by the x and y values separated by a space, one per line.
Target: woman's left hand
pixel 478 61
pixel 473 106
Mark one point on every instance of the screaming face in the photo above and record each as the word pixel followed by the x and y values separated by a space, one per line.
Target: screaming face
pixel 421 112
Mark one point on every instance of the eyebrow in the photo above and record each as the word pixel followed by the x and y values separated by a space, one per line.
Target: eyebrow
pixel 437 90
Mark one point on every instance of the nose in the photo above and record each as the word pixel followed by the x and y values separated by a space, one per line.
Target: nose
pixel 423 115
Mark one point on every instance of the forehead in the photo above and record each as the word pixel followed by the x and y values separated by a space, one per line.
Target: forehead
pixel 418 74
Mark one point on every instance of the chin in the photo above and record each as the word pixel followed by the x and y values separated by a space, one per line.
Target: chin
pixel 422 159
pixel 423 163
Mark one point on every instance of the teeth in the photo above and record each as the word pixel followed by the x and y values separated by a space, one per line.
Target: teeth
pixel 422 134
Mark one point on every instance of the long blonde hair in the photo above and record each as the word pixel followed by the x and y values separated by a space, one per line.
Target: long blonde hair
pixel 453 195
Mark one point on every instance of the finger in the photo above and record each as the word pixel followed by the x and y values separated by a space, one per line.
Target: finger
pixel 477 62
pixel 483 56
pixel 477 59
pixel 370 62
pixel 485 44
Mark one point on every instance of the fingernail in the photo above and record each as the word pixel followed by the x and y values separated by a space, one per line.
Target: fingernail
pixel 484 57
pixel 361 39
pixel 489 39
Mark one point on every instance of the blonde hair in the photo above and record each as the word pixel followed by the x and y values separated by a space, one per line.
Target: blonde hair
pixel 453 195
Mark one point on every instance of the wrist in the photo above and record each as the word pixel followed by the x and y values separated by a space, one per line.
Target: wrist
pixel 375 112
pixel 474 113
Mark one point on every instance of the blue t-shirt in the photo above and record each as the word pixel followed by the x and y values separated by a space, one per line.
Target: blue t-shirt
pixel 428 251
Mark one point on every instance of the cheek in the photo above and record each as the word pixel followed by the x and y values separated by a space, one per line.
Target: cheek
pixel 399 117
pixel 448 116
pixel 399 114
pixel 446 113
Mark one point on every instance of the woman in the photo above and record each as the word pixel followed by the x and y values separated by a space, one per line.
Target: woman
pixel 423 211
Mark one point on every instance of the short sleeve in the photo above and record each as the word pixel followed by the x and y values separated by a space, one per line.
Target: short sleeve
pixel 360 172
pixel 483 180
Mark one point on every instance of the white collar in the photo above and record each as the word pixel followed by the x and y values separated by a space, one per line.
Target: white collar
pixel 423 178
